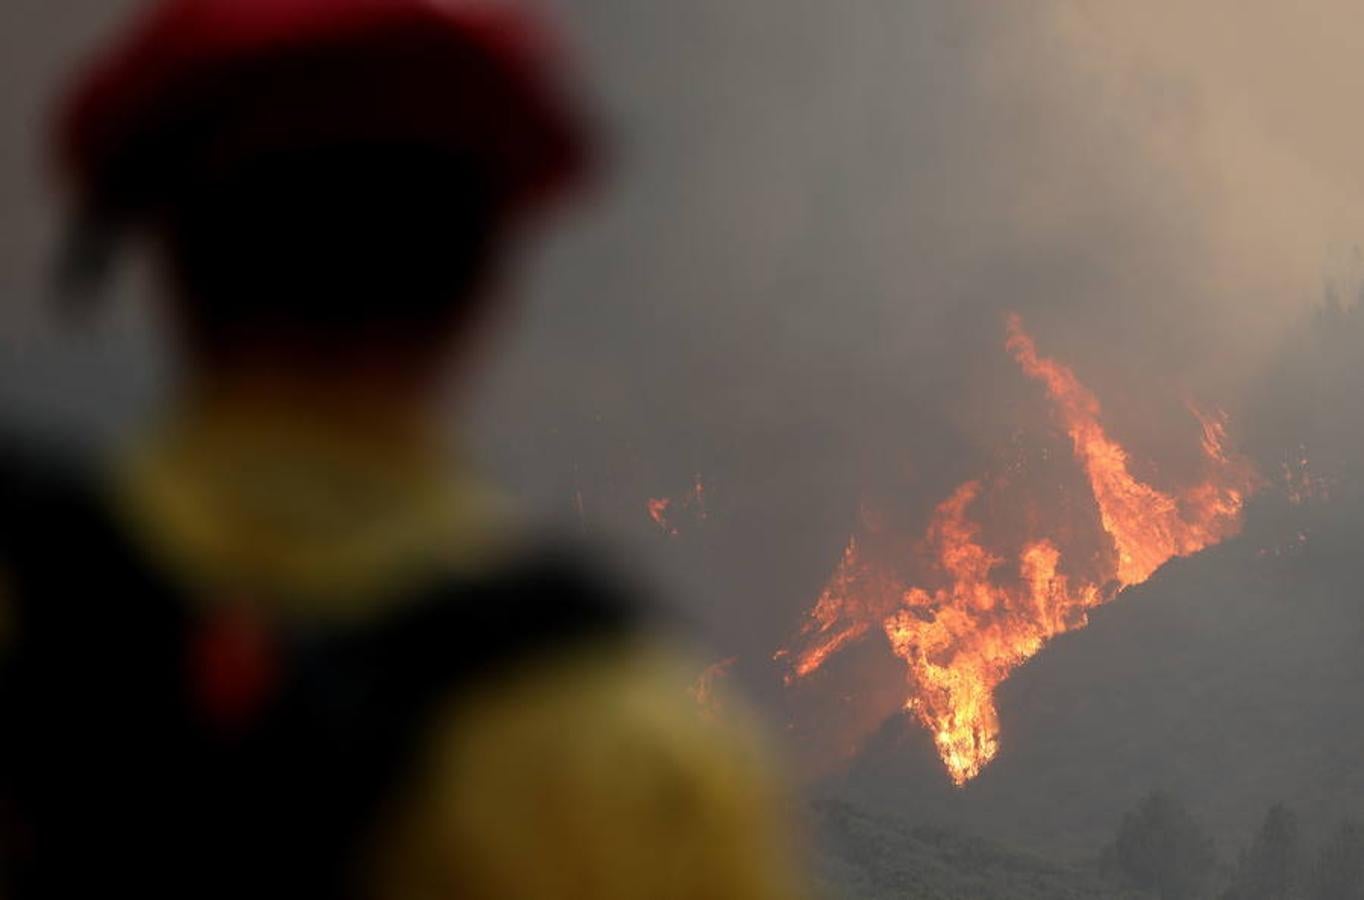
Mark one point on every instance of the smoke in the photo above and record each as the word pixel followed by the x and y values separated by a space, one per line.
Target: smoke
pixel 793 283
pixel 796 286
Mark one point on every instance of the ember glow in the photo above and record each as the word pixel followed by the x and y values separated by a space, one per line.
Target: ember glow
pixel 664 511
pixel 989 610
pixel 1300 484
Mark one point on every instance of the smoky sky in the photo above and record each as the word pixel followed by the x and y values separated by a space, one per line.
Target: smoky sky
pixel 792 281
pixel 795 282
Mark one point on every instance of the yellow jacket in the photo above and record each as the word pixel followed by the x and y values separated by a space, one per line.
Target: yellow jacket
pixel 590 774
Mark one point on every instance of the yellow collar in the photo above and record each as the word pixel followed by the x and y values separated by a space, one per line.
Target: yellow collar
pixel 300 519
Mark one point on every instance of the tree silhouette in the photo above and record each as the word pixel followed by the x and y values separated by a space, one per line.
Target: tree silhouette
pixel 1160 848
pixel 1271 868
pixel 1339 870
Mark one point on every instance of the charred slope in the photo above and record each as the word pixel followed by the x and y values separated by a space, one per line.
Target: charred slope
pixel 1231 679
pixel 878 856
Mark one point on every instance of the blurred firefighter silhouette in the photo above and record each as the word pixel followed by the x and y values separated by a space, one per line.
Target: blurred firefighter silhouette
pixel 280 648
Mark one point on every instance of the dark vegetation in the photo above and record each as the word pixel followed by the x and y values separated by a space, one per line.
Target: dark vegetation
pixel 875 856
pixel 1159 850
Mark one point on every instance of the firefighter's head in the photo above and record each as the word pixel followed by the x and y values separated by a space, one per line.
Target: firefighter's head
pixel 329 183
pixel 331 258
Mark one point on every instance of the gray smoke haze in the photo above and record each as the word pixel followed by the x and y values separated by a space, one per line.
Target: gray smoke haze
pixel 793 283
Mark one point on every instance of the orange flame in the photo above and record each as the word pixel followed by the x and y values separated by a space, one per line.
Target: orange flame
pixel 693 502
pixel 962 640
pixel 658 511
pixel 1148 527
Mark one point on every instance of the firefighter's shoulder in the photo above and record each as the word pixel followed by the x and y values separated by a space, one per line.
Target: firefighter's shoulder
pixel 594 774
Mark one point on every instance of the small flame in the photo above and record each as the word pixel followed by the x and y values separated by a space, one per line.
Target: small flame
pixel 960 641
pixel 706 691
pixel 658 511
pixel 693 503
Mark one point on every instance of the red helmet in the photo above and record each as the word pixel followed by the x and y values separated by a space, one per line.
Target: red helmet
pixel 202 83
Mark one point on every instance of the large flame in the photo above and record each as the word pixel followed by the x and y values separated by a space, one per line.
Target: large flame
pixel 1148 527
pixel 993 611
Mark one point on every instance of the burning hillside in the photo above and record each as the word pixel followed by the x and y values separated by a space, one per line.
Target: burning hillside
pixel 975 609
